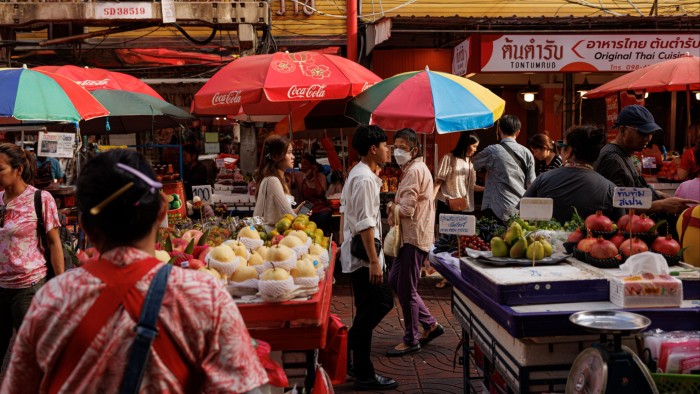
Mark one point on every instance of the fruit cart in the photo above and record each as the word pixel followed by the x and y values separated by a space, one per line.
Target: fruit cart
pixel 296 325
pixel 530 348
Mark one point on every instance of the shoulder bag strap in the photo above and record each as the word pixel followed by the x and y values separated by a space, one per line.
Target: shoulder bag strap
pixel 146 332
pixel 41 230
pixel 118 281
pixel 518 160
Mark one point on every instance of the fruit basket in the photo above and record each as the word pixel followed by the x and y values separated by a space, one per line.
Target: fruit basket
pixel 676 383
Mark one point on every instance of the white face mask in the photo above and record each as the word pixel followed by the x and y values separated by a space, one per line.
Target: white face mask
pixel 402 157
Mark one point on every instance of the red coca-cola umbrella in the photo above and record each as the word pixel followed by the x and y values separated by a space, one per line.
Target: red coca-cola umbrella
pixel 278 83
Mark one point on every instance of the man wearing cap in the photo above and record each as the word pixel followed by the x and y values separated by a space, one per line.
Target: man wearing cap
pixel 636 127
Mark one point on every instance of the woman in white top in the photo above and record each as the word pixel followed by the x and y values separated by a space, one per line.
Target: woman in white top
pixel 273 199
pixel 456 177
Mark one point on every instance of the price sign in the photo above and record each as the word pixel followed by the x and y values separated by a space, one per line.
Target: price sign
pixel 457 224
pixel 168 11
pixel 532 208
pixel 204 192
pixel 649 162
pixel 632 197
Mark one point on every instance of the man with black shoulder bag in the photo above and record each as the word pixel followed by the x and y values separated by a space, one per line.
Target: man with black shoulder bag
pixel 361 255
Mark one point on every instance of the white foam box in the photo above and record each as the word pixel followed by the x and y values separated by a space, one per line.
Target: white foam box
pixel 647 290
pixel 221 187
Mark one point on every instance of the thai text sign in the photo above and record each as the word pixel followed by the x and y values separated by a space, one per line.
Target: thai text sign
pixel 457 224
pixel 576 53
pixel 632 197
pixel 532 208
pixel 124 10
pixel 460 55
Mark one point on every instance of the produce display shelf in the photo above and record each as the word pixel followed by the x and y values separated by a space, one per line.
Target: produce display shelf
pixel 535 285
pixel 293 325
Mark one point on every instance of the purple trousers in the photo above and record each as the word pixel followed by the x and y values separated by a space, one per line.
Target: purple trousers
pixel 403 279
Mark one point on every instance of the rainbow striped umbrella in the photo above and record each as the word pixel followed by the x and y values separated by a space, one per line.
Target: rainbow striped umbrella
pixel 427 101
pixel 30 95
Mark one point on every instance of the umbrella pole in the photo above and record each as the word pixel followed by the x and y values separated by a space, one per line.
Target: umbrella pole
pixel 687 113
pixel 674 108
pixel 342 148
pixel 291 127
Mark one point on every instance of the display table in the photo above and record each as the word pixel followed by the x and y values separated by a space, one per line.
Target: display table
pixel 296 325
pixel 532 346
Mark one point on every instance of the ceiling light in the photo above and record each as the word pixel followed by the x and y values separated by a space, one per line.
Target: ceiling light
pixel 529 92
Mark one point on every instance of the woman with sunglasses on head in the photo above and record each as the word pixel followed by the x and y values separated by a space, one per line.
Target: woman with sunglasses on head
pixel 23 266
pixel 545 152
pixel 273 198
pixel 576 184
pixel 81 334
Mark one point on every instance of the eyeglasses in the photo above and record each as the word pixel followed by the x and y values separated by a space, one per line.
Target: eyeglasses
pixel 561 144
pixel 2 215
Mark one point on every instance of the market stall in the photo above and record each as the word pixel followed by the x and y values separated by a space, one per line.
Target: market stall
pixel 515 302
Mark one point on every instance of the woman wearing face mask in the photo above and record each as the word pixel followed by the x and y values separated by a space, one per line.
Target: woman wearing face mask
pixel 273 199
pixel 455 182
pixel 545 152
pixel 311 186
pixel 414 202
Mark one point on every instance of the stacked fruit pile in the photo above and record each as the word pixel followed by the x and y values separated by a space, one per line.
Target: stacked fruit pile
pixel 668 172
pixel 607 244
pixel 300 223
pixel 516 245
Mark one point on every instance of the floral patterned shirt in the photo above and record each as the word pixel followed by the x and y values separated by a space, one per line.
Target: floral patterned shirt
pixel 197 312
pixel 22 263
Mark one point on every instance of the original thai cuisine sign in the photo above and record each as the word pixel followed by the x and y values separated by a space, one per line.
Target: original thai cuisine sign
pixel 578 53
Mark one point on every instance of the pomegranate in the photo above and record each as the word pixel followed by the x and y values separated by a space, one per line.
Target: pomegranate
pixel 617 239
pixel 633 246
pixel 575 236
pixel 585 244
pixel 623 224
pixel 603 249
pixel 666 245
pixel 642 225
pixel 598 222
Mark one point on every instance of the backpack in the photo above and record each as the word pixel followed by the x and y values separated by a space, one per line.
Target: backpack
pixel 67 238
pixel 44 175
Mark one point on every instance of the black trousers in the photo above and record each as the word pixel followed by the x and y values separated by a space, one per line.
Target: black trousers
pixel 14 304
pixel 372 303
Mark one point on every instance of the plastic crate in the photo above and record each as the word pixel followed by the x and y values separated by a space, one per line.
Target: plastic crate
pixel 668 383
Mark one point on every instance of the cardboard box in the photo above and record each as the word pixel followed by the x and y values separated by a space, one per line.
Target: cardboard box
pixel 646 290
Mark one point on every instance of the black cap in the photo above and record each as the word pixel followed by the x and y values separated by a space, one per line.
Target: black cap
pixel 638 117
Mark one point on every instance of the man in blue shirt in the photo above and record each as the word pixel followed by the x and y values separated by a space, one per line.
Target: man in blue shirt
pixel 48 171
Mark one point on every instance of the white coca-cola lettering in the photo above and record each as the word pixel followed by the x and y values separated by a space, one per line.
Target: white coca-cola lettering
pixel 312 91
pixel 366 86
pixel 93 82
pixel 232 97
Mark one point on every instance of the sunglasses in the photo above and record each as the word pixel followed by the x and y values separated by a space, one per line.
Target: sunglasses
pixel 3 208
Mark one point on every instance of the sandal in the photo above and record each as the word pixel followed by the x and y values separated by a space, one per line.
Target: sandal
pixel 441 284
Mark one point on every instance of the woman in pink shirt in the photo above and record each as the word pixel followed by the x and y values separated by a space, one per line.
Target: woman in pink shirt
pixel 78 334
pixel 691 189
pixel 22 264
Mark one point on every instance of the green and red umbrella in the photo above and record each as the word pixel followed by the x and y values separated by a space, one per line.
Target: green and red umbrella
pixel 133 105
pixel 427 101
pixel 29 95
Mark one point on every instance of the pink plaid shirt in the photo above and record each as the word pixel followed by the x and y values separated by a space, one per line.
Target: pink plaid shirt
pixel 197 312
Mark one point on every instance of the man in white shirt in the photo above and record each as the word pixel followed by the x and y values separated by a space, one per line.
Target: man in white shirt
pixel 361 217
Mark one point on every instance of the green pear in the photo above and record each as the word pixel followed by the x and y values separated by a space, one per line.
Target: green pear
pixel 517 251
pixel 515 231
pixel 547 247
pixel 499 247
pixel 535 251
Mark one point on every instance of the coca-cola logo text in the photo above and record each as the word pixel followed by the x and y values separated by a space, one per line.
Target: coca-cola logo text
pixel 312 91
pixel 232 97
pixel 93 82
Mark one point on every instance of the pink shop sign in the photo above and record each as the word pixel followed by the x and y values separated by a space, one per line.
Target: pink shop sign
pixel 577 53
